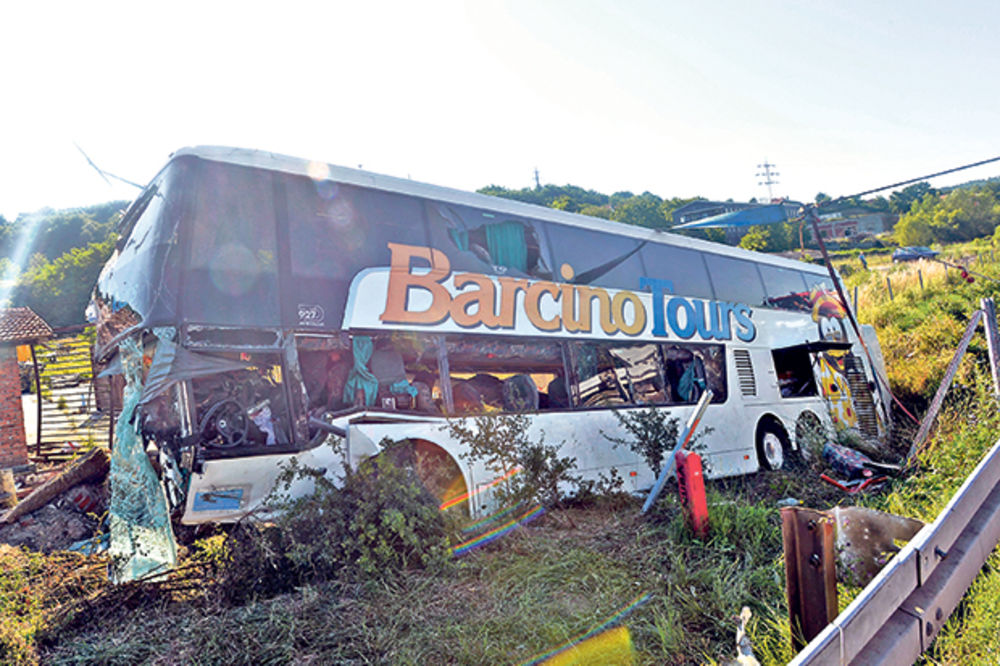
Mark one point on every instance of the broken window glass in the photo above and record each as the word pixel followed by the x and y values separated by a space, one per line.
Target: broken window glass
pixel 488 242
pixel 612 374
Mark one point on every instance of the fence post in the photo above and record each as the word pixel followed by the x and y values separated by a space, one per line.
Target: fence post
pixel 855 299
pixel 992 340
pixel 888 283
pixel 949 374
pixel 810 574
pixel 920 275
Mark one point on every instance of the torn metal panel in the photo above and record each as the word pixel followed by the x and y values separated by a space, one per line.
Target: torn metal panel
pixel 866 540
pixel 142 540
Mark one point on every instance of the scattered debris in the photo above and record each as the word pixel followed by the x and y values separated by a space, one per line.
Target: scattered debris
pixel 744 650
pixel 62 509
pixel 855 486
pixel 92 466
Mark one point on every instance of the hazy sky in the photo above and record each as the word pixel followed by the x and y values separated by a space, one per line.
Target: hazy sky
pixel 678 98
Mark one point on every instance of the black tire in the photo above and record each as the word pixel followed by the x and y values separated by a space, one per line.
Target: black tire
pixel 773 450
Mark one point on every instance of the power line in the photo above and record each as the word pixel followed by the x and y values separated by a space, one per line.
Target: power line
pixel 913 180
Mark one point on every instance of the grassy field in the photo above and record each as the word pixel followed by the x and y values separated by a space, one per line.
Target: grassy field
pixel 574 570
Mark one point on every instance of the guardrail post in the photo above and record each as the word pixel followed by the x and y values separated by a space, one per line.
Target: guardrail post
pixel 810 574
pixel 992 340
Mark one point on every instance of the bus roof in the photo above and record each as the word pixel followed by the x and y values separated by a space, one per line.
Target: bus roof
pixel 262 159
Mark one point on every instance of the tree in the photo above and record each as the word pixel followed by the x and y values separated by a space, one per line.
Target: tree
pixel 59 290
pixel 642 211
pixel 766 238
pixel 822 198
pixel 961 215
pixel 900 202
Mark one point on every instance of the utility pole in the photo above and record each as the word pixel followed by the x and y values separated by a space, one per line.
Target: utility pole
pixel 766 171
pixel 538 184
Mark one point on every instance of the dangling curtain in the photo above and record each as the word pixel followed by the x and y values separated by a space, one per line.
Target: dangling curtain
pixel 360 376
pixel 506 245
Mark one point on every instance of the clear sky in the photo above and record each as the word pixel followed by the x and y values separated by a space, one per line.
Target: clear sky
pixel 678 98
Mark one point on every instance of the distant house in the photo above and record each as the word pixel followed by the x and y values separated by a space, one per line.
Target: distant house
pixel 18 326
pixel 851 222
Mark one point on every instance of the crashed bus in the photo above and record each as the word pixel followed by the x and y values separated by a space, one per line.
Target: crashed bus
pixel 275 303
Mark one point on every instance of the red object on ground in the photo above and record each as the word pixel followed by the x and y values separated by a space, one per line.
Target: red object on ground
pixel 692 490
pixel 854 486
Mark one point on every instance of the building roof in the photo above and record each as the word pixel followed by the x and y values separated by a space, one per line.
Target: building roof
pixel 21 325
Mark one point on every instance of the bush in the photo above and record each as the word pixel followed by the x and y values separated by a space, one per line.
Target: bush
pixel 532 470
pixel 653 433
pixel 379 521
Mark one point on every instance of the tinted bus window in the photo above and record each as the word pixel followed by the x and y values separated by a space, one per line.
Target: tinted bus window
pixel 233 258
pixel 597 258
pixel 336 231
pixel 684 268
pixel 785 289
pixel 735 280
pixel 142 284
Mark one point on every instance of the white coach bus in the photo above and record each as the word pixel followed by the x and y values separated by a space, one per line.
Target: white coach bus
pixel 270 295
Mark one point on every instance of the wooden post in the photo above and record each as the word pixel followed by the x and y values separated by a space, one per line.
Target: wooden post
pixel 949 374
pixel 810 573
pixel 992 340
pixel 855 299
pixel 38 402
pixel 888 283
pixel 920 275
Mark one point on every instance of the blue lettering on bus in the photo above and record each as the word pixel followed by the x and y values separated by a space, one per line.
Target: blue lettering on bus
pixel 712 320
pixel 658 287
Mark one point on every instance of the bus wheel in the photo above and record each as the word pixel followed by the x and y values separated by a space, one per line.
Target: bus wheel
pixel 772 445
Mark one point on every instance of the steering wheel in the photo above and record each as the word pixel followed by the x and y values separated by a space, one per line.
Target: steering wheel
pixel 225 424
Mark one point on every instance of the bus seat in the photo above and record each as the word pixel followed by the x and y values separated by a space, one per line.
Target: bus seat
pixel 558 398
pixel 520 393
pixel 387 366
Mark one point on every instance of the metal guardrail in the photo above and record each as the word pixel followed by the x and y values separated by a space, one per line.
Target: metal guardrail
pixel 898 615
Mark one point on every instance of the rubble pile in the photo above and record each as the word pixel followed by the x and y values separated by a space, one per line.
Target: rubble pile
pixel 64 510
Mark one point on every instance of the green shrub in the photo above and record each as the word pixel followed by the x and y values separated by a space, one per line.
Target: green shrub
pixel 532 470
pixel 653 433
pixel 378 521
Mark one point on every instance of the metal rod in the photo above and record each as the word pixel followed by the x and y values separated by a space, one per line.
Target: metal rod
pixel 689 428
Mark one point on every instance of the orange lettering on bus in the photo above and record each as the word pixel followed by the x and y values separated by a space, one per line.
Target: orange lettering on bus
pixel 484 298
pixel 401 280
pixel 508 299
pixel 618 311
pixel 532 302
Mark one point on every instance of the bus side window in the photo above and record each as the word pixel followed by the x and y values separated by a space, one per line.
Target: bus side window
pixel 610 374
pixel 691 369
pixel 505 375
pixel 795 374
